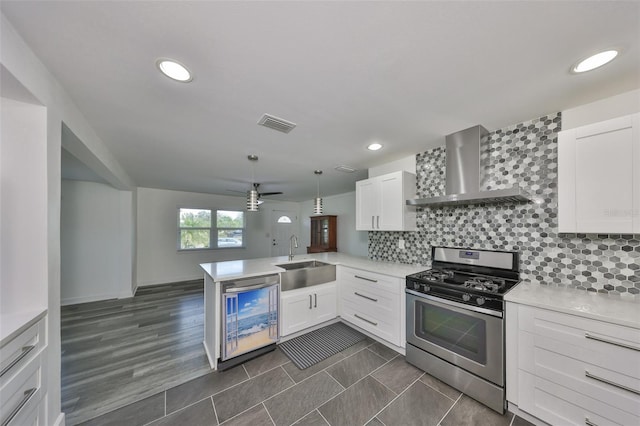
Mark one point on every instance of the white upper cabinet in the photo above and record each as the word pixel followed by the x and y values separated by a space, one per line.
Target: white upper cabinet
pixel 381 203
pixel 599 177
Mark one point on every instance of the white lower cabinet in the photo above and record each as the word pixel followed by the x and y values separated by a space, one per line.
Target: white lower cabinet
pixel 306 307
pixel 573 370
pixel 374 302
pixel 22 382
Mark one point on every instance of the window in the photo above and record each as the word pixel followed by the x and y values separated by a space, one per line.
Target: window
pixel 197 229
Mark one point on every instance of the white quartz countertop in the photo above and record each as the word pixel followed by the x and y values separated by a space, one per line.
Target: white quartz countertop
pixel 13 324
pixel 234 269
pixel 614 309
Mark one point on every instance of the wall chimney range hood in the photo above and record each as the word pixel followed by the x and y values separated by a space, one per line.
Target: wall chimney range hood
pixel 463 174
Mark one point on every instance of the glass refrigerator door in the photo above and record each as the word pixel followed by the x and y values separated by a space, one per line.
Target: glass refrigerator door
pixel 250 320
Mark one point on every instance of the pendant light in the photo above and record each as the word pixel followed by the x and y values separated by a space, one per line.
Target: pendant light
pixel 317 203
pixel 252 194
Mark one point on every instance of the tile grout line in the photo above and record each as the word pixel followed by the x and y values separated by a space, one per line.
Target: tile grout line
pixel 268 413
pixel 288 375
pixel 450 408
pixel 396 397
pixel 215 412
pixel 335 380
pixel 323 417
pixel 442 393
pixel 358 381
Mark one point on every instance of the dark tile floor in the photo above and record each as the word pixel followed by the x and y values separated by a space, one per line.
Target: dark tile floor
pixel 365 384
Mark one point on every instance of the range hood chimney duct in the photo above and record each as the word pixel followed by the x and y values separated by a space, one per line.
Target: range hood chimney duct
pixel 464 173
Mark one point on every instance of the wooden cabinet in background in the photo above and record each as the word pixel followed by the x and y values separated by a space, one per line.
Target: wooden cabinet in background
pixel 323 234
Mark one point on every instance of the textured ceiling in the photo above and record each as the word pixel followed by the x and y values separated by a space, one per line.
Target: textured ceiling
pixel 347 73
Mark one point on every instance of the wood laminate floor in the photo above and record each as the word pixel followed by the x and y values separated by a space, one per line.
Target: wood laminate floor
pixel 118 351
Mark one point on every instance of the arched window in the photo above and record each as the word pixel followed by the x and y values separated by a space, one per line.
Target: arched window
pixel 284 219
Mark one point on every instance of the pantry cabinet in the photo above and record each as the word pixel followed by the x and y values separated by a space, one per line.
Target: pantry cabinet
pixel 381 203
pixel 599 177
pixel 306 307
pixel 565 369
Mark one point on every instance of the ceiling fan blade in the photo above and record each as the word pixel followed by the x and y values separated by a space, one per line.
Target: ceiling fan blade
pixel 270 193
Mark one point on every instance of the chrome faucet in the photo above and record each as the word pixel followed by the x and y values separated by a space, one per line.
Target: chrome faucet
pixel 293 242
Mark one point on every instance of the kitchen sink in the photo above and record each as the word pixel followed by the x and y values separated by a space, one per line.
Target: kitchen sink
pixel 305 274
pixel 305 264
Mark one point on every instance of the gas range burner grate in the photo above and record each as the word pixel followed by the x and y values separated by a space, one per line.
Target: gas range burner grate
pixel 436 274
pixel 490 285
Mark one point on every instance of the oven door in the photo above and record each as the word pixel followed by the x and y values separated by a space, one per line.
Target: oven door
pixel 457 333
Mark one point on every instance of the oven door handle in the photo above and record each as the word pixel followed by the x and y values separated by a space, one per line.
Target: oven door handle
pixel 455 304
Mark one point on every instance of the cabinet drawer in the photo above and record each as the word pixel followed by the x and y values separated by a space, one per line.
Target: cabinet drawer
pixel 376 282
pixel 19 394
pixel 386 303
pixel 609 346
pixel 383 326
pixel 558 405
pixel 539 356
pixel 19 351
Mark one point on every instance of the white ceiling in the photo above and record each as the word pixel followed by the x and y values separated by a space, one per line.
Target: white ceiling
pixel 347 73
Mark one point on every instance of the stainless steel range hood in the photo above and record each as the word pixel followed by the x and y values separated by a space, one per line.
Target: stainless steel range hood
pixel 463 174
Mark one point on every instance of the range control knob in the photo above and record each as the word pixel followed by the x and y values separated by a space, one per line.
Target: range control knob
pixel 466 297
pixel 416 286
pixel 426 287
pixel 480 300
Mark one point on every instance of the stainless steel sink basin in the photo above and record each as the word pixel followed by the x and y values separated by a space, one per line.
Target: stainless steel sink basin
pixel 305 274
pixel 305 264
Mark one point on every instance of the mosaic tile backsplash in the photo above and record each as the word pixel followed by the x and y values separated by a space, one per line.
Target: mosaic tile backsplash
pixel 524 154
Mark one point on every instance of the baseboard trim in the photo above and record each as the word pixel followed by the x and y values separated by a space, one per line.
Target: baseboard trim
pixel 60 421
pixel 169 281
pixel 212 361
pixel 94 298
pixel 513 408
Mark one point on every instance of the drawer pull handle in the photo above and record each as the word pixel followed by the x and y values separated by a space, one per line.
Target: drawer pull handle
pixel 365 320
pixel 315 300
pixel 366 279
pixel 23 401
pixel 609 382
pixel 366 297
pixel 611 342
pixel 25 352
pixel 310 299
pixel 589 422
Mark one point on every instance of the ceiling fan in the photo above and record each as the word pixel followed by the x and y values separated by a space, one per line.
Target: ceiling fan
pixel 253 195
pixel 256 187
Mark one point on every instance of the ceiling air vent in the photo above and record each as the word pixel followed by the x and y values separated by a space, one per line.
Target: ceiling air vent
pixel 345 169
pixel 276 123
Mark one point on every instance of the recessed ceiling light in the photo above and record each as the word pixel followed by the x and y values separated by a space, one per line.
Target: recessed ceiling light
pixel 594 61
pixel 374 147
pixel 174 70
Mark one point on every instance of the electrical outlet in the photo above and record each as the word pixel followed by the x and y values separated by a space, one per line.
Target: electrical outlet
pixel 401 244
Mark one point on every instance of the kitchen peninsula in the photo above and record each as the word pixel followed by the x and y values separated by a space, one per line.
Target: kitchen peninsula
pixel 379 313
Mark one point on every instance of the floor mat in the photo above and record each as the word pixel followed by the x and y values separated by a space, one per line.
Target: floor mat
pixel 311 348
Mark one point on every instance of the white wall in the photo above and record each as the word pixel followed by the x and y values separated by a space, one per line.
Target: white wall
pixel 407 164
pixel 96 244
pixel 604 109
pixel 159 260
pixel 23 217
pixel 349 241
pixel 18 59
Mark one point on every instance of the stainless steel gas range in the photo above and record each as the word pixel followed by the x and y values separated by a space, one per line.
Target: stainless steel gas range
pixel 455 320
